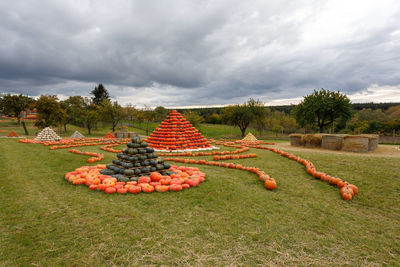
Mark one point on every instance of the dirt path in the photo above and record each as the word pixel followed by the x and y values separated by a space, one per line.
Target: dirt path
pixel 382 151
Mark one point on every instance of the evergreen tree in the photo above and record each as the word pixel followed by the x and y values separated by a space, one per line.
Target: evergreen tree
pixel 100 94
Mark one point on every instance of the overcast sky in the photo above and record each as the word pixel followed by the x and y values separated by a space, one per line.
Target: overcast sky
pixel 197 53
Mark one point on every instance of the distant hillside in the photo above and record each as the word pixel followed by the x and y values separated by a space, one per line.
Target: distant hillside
pixel 288 108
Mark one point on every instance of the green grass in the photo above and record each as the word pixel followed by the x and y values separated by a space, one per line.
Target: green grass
pixel 231 219
pixel 208 130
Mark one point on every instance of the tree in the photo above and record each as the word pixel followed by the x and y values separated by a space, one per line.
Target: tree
pixel 15 105
pixel 394 112
pixel 213 118
pixel 91 115
pixel 130 112
pixel 322 108
pixel 261 122
pixel 100 93
pixel 242 115
pixel 368 121
pixel 160 113
pixel 74 106
pixel 277 129
pixel 50 112
pixel 193 117
pixel 148 116
pixel 112 112
pixel 281 120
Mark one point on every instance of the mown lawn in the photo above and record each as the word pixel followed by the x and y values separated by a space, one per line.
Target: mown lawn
pixel 230 219
pixel 208 130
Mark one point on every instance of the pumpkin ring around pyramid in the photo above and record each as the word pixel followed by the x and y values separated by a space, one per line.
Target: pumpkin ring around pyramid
pixel 136 169
pixel 176 134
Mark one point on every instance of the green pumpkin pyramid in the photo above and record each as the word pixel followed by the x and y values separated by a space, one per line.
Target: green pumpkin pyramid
pixel 135 161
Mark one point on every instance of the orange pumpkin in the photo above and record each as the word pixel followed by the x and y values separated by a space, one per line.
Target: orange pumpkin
pixel 161 188
pixel 135 189
pixel 354 188
pixel 122 190
pixel 270 183
pixel 155 176
pixel 175 187
pixel 110 190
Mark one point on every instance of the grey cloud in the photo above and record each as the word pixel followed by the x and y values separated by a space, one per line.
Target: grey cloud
pixel 198 52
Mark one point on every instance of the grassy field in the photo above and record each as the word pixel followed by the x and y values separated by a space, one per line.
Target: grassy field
pixel 208 130
pixel 231 219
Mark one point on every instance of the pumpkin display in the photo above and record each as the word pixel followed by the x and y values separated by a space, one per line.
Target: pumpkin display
pixel 137 160
pixel 47 134
pixel 193 181
pixel 95 156
pixel 109 136
pixel 346 189
pixel 181 178
pixel 12 134
pixel 175 133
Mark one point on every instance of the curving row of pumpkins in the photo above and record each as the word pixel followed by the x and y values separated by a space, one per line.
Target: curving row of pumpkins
pixel 109 149
pixel 95 156
pixel 198 154
pixel 347 190
pixel 268 181
pixel 96 143
pixel 245 156
pixel 65 141
pixel 182 178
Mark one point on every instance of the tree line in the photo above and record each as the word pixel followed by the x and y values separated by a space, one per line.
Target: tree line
pixel 321 111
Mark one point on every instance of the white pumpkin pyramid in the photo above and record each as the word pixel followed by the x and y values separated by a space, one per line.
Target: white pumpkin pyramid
pixel 47 134
pixel 77 135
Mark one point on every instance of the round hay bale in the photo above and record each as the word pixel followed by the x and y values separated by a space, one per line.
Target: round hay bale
pixel 332 141
pixel 312 140
pixel 355 143
pixel 373 140
pixel 295 140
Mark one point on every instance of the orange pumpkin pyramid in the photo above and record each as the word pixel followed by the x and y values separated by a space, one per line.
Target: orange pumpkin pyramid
pixel 12 134
pixel 109 136
pixel 176 133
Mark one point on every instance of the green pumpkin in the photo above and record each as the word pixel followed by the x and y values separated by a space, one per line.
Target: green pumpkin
pixel 167 165
pixel 106 172
pixel 143 144
pixel 129 172
pixel 137 171
pixel 123 179
pixel 159 167
pixel 144 170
